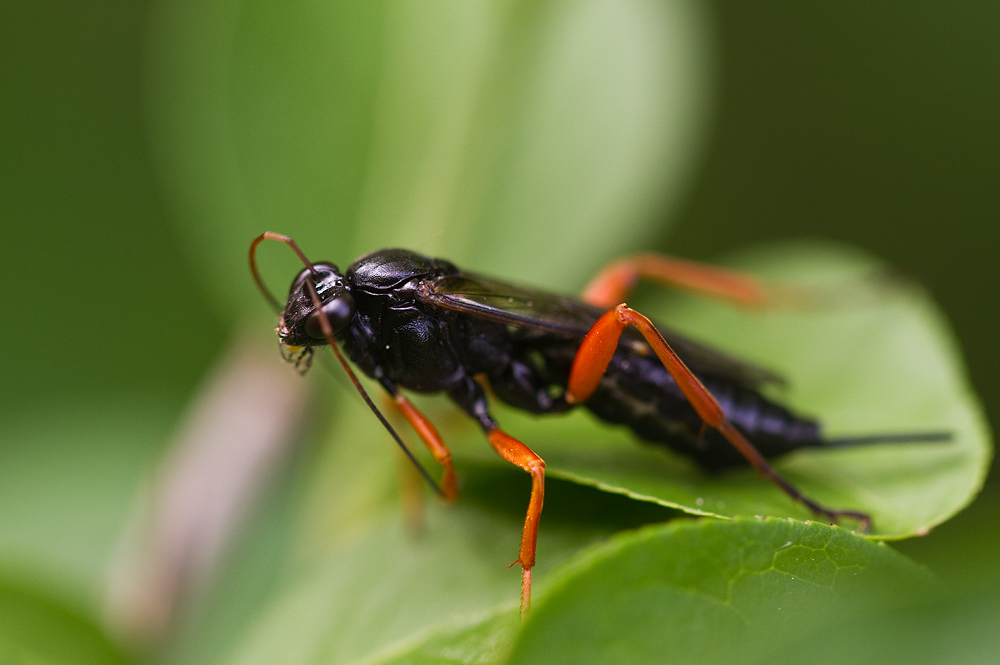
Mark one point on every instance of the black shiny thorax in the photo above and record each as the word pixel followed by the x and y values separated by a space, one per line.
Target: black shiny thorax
pixel 394 336
pixel 400 339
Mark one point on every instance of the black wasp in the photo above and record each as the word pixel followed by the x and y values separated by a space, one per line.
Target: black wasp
pixel 422 324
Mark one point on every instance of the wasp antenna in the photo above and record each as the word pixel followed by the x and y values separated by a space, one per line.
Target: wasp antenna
pixel 328 333
pixel 256 273
pixel 268 235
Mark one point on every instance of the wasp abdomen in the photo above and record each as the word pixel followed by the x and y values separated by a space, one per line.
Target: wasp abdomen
pixel 641 394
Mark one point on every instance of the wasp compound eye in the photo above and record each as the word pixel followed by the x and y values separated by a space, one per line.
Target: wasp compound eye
pixel 339 310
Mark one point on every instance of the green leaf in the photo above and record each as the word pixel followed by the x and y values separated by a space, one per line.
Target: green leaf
pixel 37 630
pixel 960 628
pixel 880 360
pixel 68 475
pixel 685 592
pixel 711 591
pixel 383 587
pixel 476 640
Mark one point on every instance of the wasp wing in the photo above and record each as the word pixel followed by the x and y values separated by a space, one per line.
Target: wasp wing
pixel 539 313
pixel 516 306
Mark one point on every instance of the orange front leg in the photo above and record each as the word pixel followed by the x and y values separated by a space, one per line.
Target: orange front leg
pixel 595 353
pixel 429 435
pixel 517 453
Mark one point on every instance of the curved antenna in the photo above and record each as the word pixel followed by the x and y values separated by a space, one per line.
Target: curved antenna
pixel 267 235
pixel 324 322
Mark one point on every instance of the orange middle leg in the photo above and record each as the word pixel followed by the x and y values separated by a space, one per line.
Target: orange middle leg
pixel 519 454
pixel 595 353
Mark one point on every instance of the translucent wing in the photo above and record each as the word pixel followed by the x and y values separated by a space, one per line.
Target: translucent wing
pixel 489 299
pixel 539 313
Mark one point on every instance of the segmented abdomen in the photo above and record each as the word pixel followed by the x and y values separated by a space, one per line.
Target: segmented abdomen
pixel 637 391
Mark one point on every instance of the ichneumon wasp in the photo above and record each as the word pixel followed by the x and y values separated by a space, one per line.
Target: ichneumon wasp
pixel 417 323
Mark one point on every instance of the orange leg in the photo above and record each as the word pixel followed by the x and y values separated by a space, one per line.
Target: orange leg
pixel 517 453
pixel 595 354
pixel 429 434
pixel 613 284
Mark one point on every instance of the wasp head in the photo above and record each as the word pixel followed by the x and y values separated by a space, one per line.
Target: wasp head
pixel 300 327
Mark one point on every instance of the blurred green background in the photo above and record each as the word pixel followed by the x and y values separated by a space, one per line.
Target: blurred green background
pixel 876 126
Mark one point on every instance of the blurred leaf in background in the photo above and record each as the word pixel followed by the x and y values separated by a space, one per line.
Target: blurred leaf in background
pixel 486 132
pixel 532 141
pixel 105 332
